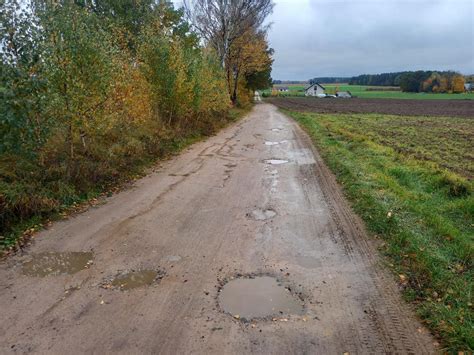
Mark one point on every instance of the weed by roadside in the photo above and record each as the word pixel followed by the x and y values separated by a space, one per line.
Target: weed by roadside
pixel 30 197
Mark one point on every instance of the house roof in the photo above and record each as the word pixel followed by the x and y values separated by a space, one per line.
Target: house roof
pixel 318 84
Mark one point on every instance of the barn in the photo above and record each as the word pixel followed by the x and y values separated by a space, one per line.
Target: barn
pixel 315 90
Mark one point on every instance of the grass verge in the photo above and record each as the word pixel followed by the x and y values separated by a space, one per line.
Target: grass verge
pixel 423 212
pixel 29 202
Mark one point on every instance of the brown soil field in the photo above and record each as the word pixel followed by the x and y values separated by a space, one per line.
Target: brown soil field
pixel 449 108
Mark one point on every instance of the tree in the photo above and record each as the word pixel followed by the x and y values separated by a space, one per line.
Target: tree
pixel 249 56
pixel 78 67
pixel 458 84
pixel 22 127
pixel 224 24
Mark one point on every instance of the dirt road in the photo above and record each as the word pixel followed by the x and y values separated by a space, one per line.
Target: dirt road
pixel 255 200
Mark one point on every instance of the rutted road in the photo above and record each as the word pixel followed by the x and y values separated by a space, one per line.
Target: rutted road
pixel 218 210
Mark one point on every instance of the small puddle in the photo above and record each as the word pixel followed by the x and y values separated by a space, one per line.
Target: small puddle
pixel 53 263
pixel 262 215
pixel 259 297
pixel 276 161
pixel 134 279
pixel 275 143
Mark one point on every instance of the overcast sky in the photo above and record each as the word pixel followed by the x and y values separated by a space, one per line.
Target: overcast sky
pixel 315 38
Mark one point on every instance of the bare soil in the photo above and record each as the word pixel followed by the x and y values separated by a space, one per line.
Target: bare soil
pixel 446 108
pixel 220 210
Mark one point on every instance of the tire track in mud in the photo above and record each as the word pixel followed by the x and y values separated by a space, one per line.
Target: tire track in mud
pixel 352 235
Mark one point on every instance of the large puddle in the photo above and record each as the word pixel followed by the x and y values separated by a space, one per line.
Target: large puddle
pixel 134 279
pixel 53 263
pixel 259 297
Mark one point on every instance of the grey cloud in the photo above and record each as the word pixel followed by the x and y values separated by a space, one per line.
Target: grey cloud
pixel 332 37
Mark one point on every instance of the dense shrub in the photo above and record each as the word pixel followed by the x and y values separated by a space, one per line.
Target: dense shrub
pixel 89 93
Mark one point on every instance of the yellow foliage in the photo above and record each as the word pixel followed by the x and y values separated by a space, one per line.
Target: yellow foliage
pixel 458 84
pixel 130 100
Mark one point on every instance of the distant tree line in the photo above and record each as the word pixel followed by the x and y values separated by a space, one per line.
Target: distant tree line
pixel 384 79
pixel 287 82
pixel 329 80
pixel 415 81
pixel 432 81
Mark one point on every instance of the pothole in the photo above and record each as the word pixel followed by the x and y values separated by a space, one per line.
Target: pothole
pixel 262 215
pixel 55 263
pixel 275 143
pixel 276 161
pixel 259 297
pixel 134 279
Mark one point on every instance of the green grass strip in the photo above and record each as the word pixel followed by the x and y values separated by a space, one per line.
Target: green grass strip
pixel 424 214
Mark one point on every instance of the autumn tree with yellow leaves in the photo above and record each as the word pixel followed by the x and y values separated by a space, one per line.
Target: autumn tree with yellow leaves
pixel 236 31
pixel 92 90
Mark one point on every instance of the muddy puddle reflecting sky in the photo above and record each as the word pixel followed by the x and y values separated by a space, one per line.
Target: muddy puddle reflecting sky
pixel 259 297
pixel 55 263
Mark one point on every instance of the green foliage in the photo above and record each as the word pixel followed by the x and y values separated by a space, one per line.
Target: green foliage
pixel 22 127
pixel 384 79
pixel 423 212
pixel 90 93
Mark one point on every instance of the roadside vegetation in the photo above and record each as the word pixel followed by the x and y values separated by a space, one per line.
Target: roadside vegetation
pixel 93 92
pixel 410 179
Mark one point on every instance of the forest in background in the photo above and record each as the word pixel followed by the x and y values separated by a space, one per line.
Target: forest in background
pixel 409 81
pixel 415 81
pixel 92 91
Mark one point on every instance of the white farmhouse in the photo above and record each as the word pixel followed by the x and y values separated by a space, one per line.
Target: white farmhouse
pixel 315 90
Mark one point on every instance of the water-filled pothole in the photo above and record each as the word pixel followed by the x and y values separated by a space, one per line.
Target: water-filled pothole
pixel 274 143
pixel 259 297
pixel 134 279
pixel 276 161
pixel 262 215
pixel 54 263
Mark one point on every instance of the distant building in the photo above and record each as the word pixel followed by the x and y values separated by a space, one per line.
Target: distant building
pixel 468 87
pixel 282 88
pixel 315 90
pixel 344 94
